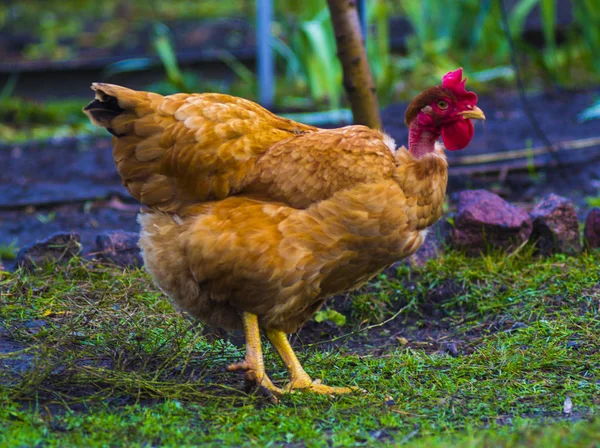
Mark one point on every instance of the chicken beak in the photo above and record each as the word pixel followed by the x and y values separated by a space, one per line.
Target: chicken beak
pixel 475 113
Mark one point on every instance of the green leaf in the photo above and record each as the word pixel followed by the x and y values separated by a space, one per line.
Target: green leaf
pixel 591 113
pixel 548 14
pixel 332 316
pixel 165 50
pixel 518 16
pixel 593 201
pixel 127 65
pixel 243 72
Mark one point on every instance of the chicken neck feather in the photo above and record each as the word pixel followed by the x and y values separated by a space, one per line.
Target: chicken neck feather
pixel 421 139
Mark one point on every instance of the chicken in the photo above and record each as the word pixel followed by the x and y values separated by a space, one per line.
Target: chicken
pixel 252 221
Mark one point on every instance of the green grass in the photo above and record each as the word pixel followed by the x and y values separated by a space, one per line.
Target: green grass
pixel 105 360
pixel 593 201
pixel 22 120
pixel 9 251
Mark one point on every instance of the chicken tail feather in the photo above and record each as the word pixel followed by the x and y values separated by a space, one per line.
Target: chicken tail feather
pixel 112 101
pixel 103 111
pixel 129 115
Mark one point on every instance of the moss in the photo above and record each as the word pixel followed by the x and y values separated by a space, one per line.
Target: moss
pixel 101 348
pixel 9 251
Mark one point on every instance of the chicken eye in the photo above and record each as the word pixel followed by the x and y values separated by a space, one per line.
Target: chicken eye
pixel 442 104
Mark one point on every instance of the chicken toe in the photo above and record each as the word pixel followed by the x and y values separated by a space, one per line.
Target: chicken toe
pixel 253 363
pixel 317 387
pixel 299 379
pixel 255 375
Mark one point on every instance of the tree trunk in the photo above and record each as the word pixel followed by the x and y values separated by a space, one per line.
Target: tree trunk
pixel 358 80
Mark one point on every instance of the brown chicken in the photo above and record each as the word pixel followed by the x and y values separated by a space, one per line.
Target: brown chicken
pixel 251 220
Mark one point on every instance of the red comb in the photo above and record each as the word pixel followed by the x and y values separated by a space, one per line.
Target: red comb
pixel 454 81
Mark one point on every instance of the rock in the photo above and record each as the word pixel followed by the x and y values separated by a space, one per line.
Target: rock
pixel 15 359
pixel 517 326
pixel 59 247
pixel 120 248
pixel 486 221
pixel 591 233
pixel 573 345
pixel 555 226
pixel 452 349
pixel 34 326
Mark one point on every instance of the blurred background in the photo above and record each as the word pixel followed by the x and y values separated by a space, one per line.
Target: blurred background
pixel 534 63
pixel 51 50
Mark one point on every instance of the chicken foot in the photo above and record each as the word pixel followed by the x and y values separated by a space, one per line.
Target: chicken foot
pixel 299 379
pixel 253 364
pixel 254 367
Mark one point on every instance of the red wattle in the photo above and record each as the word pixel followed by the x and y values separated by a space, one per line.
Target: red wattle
pixel 458 134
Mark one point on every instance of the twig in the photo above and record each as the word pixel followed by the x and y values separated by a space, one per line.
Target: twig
pixel 522 153
pixel 360 330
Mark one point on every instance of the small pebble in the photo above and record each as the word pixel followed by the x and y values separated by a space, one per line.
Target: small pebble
pixel 452 349
pixel 573 345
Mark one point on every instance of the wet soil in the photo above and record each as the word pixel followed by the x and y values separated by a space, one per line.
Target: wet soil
pixel 67 184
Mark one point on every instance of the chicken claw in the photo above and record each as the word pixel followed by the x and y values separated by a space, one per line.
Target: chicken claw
pixel 300 380
pixel 317 387
pixel 255 376
pixel 253 364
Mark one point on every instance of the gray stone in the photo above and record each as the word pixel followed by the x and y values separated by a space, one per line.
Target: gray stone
pixel 34 326
pixel 14 360
pixel 452 349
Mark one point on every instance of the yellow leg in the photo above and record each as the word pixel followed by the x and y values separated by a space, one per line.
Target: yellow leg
pixel 299 379
pixel 253 363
